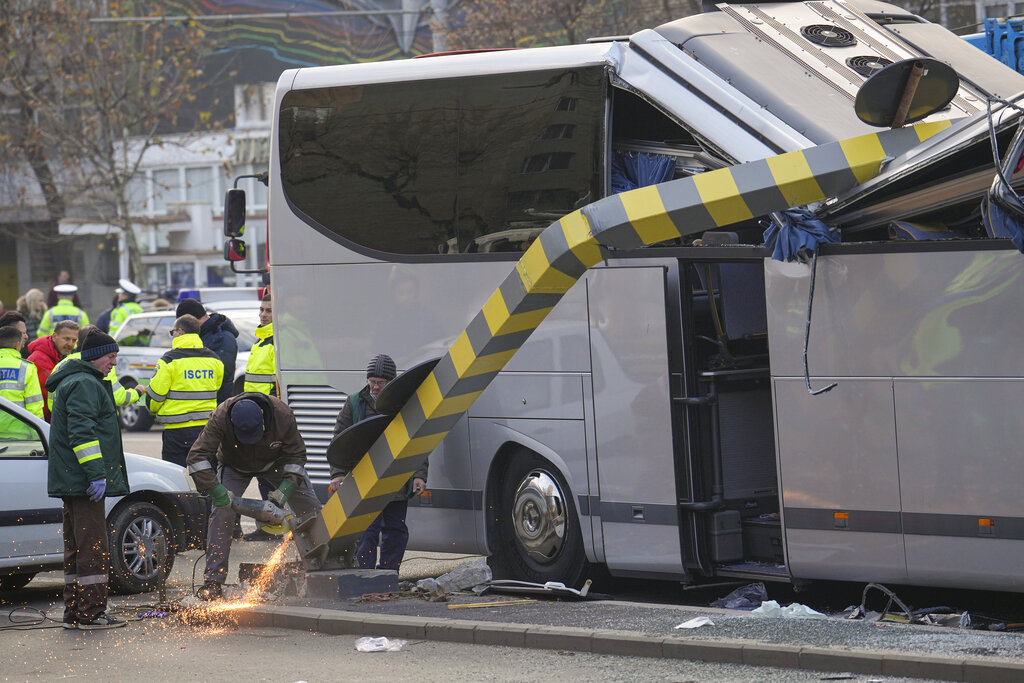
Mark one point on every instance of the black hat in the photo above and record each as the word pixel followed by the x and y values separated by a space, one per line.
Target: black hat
pixel 190 307
pixel 247 419
pixel 98 344
pixel 381 366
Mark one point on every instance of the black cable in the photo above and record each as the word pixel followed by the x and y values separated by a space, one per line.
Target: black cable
pixel 36 622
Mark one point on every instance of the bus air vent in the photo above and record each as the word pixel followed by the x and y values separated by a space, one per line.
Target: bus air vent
pixel 866 65
pixel 827 35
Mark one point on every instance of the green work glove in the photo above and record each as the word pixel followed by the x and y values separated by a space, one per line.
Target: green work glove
pixel 280 496
pixel 220 496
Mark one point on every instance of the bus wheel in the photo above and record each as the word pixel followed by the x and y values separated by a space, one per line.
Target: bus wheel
pixel 539 535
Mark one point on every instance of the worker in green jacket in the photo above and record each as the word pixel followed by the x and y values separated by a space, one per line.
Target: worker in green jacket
pixel 85 465
pixel 64 310
pixel 124 394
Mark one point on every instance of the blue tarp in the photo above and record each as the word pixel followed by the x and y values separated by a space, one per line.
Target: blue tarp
pixel 631 170
pixel 1000 222
pixel 800 229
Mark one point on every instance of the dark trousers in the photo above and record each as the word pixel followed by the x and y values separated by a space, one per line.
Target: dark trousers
pixel 177 442
pixel 86 559
pixel 390 531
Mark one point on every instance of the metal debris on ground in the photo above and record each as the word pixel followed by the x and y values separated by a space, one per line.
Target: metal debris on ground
pixel 696 622
pixel 555 588
pixel 493 603
pixel 403 593
pixel 464 577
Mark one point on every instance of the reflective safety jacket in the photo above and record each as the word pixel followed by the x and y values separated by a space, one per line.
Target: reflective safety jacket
pixel 19 384
pixel 85 435
pixel 183 392
pixel 64 310
pixel 121 313
pixel 260 370
pixel 122 395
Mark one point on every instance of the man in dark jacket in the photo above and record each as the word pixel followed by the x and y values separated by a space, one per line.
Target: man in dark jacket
pixel 219 335
pixel 248 435
pixel 389 529
pixel 86 464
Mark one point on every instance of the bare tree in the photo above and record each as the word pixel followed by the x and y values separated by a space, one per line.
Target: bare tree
pixel 85 97
pixel 477 24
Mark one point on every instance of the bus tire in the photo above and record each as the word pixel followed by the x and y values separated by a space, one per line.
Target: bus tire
pixel 539 536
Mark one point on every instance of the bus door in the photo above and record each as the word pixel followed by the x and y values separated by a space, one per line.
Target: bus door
pixel 722 419
pixel 636 505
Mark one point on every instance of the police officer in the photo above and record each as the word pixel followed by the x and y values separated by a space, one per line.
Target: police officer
pixel 64 310
pixel 19 382
pixel 183 392
pixel 126 306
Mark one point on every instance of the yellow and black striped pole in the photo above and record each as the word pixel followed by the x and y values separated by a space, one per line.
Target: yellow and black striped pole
pixel 560 256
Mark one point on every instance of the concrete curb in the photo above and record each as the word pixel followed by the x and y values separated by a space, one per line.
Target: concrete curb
pixel 608 642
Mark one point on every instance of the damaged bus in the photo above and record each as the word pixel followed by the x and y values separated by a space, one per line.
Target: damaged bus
pixel 665 419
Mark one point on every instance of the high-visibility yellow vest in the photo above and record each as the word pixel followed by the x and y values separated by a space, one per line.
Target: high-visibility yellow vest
pixel 260 369
pixel 19 383
pixel 183 392
pixel 64 310
pixel 121 313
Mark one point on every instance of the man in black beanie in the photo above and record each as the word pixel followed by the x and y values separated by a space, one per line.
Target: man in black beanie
pixel 86 464
pixel 388 530
pixel 219 335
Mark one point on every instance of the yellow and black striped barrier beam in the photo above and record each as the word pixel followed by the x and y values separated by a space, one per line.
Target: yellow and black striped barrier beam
pixel 560 256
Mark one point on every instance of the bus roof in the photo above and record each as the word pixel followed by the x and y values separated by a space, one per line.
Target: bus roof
pixel 454 65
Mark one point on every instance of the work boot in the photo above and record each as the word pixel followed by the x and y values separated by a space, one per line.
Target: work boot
pixel 260 535
pixel 102 621
pixel 211 590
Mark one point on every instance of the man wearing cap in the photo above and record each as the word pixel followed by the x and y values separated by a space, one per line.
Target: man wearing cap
pixel 47 351
pixel 126 304
pixel 219 335
pixel 124 393
pixel 388 530
pixel 86 464
pixel 248 435
pixel 183 392
pixel 64 310
pixel 63 278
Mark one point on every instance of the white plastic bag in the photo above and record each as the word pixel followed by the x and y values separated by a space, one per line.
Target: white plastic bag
pixel 368 644
pixel 770 608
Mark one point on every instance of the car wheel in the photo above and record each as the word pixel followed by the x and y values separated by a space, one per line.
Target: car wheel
pixel 12 582
pixel 135 418
pixel 135 530
pixel 539 536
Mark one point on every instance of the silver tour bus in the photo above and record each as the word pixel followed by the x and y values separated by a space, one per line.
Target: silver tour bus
pixel 660 421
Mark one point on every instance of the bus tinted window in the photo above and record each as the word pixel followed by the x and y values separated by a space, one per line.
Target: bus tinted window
pixel 479 164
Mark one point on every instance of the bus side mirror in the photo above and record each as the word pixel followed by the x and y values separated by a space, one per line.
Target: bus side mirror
pixel 234 213
pixel 234 250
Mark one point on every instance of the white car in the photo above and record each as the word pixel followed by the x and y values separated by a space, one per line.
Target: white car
pixel 162 503
pixel 144 337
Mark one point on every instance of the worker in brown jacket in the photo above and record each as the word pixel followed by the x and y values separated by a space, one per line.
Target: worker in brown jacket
pixel 248 435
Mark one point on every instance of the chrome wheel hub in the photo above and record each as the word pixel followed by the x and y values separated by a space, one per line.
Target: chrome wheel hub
pixel 538 515
pixel 138 547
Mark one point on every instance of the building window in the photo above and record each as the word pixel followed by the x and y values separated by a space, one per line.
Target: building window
pixel 183 275
pixel 199 184
pixel 166 188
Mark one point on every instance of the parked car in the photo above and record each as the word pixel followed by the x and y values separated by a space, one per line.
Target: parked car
pixel 163 503
pixel 145 337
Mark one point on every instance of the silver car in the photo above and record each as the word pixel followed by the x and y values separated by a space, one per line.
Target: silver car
pixel 162 505
pixel 145 337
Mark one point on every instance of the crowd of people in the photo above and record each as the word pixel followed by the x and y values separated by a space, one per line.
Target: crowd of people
pixel 61 368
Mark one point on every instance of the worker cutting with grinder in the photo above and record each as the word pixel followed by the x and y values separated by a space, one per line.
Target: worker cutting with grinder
pixel 248 435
